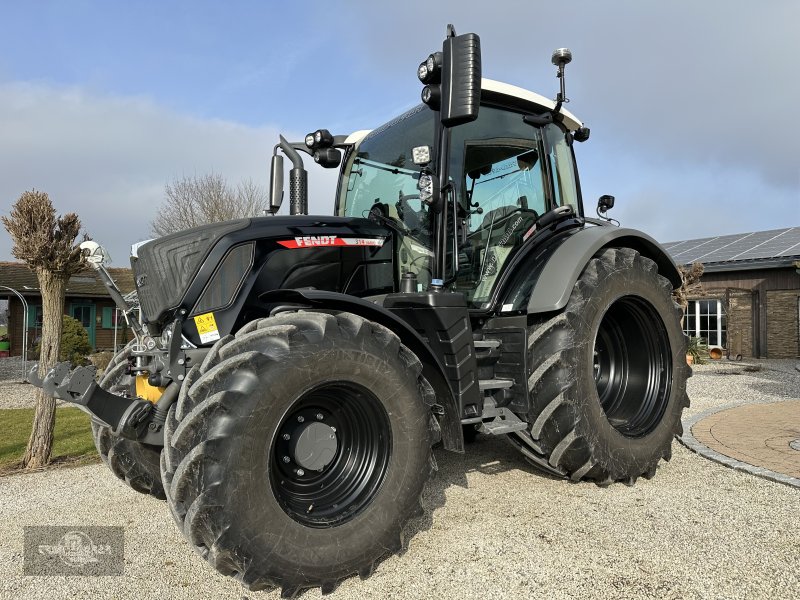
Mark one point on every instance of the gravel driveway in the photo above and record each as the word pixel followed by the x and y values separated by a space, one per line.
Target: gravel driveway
pixel 493 528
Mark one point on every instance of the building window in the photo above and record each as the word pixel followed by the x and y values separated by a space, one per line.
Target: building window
pixel 706 319
pixel 34 317
pixel 111 317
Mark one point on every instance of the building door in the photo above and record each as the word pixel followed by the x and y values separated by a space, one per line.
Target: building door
pixel 85 313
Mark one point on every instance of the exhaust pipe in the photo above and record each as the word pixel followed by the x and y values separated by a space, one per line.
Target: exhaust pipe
pixel 298 180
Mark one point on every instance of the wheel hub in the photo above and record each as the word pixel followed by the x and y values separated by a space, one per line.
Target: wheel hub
pixel 632 366
pixel 315 446
pixel 330 454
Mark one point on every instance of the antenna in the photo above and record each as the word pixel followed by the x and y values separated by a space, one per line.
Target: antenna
pixel 561 58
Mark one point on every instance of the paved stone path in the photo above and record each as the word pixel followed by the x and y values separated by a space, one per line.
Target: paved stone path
pixel 757 434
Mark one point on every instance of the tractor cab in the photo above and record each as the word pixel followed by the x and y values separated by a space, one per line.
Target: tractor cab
pixel 504 172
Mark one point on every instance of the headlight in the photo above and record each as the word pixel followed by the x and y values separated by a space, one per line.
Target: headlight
pixel 166 336
pixel 425 186
pixel 422 71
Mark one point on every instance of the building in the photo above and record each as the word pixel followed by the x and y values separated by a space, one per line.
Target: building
pixel 86 299
pixel 750 298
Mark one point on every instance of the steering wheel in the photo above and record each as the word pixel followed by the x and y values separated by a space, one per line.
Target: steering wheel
pixel 410 217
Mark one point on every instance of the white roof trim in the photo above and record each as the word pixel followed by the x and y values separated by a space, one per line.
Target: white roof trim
pixel 357 136
pixel 571 121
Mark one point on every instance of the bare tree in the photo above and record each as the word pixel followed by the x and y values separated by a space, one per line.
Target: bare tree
pixel 197 200
pixel 46 243
pixel 690 284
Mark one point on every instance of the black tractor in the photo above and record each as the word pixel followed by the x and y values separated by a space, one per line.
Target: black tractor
pixel 291 374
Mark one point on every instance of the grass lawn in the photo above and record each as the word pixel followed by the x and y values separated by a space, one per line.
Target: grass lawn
pixel 72 444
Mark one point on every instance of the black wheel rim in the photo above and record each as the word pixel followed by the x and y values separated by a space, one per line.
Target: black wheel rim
pixel 328 481
pixel 633 366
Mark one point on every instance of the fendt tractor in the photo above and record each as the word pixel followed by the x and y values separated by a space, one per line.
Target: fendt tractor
pixel 290 375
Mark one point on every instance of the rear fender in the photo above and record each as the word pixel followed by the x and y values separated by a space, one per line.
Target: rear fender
pixel 548 287
pixel 452 436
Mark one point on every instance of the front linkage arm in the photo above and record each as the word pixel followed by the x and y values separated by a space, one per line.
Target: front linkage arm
pixel 127 417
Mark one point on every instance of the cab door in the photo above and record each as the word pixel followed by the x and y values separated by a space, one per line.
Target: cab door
pixel 501 181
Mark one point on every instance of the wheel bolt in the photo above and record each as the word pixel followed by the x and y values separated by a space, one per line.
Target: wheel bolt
pixel 286 436
pixel 300 419
pixel 320 417
pixel 300 472
pixel 286 459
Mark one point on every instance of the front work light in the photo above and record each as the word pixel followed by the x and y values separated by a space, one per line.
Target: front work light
pixel 432 96
pixel 321 138
pixel 421 155
pixel 422 72
pixel 430 70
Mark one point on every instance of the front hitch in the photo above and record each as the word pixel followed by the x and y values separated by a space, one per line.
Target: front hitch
pixel 127 417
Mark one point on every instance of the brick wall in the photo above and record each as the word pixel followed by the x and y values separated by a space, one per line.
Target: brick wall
pixel 740 322
pixel 782 325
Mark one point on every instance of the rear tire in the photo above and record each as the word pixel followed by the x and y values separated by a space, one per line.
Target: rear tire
pixel 231 459
pixel 135 463
pixel 608 374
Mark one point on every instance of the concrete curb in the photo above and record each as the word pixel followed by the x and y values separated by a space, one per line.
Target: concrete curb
pixel 688 440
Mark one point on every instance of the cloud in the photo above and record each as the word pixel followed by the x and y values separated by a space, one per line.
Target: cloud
pixel 696 99
pixel 107 158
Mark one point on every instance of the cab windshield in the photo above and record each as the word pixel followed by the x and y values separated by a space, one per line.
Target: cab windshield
pixel 381 177
pixel 504 174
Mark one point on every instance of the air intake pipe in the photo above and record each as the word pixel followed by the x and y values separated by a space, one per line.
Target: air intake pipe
pixel 298 180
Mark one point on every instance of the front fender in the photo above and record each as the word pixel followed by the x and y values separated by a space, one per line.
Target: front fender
pixel 452 436
pixel 548 287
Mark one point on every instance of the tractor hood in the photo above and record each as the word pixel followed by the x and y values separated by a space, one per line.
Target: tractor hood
pixel 223 267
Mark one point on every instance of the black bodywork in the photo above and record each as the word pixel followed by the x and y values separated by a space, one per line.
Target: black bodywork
pixel 439 327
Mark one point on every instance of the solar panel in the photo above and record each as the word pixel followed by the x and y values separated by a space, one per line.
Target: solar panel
pixel 777 243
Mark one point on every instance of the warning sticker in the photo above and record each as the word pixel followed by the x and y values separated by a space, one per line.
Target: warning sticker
pixel 207 327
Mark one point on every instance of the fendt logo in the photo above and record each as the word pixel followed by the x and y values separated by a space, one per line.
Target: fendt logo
pixel 309 241
pixel 316 240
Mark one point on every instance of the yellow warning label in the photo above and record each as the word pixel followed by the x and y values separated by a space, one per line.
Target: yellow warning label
pixel 207 327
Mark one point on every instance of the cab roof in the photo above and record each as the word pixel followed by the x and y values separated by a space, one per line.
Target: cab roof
pixel 511 94
pixel 521 96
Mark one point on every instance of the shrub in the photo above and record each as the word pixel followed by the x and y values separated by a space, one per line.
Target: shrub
pixel 75 346
pixel 101 360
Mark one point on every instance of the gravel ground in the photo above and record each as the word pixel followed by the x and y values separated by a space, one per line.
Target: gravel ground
pixel 13 393
pixel 493 528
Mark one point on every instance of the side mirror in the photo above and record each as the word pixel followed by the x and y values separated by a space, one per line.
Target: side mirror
pixel 605 203
pixel 461 78
pixel 452 79
pixel 275 183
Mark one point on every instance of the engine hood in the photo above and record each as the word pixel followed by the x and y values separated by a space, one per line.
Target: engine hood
pixel 173 272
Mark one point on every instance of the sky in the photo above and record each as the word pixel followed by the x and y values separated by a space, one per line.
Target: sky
pixel 690 103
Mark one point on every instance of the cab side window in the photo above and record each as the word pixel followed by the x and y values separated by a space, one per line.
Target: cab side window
pixel 562 166
pixel 497 161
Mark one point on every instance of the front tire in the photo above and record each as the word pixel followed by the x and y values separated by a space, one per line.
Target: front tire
pixel 298 451
pixel 608 374
pixel 135 463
